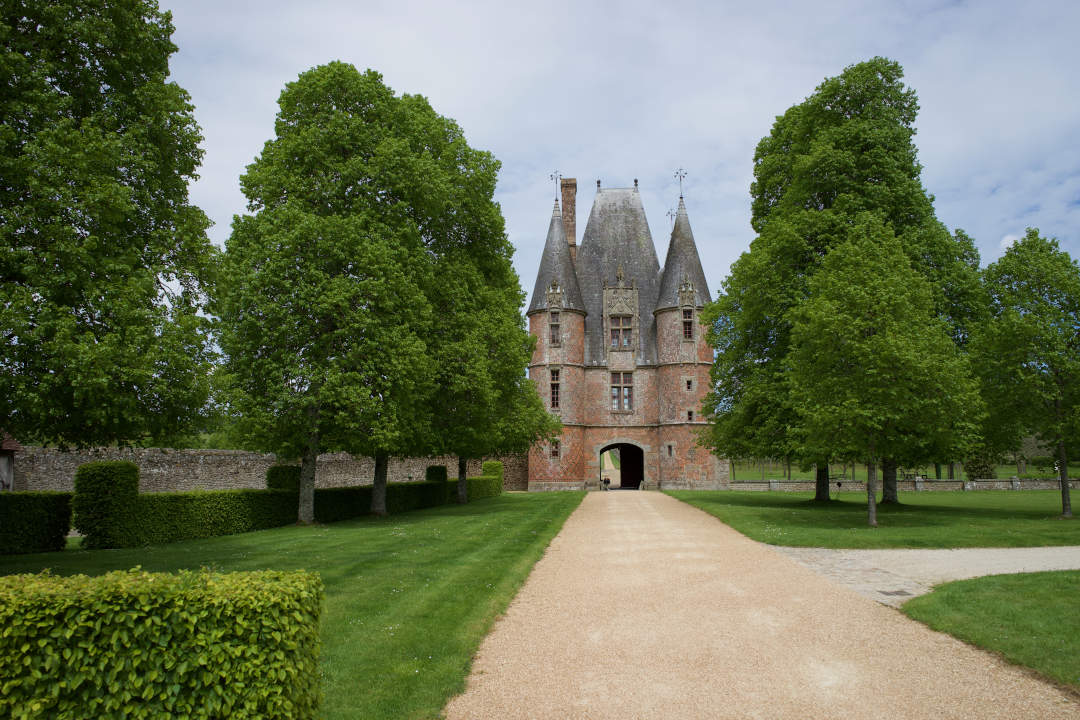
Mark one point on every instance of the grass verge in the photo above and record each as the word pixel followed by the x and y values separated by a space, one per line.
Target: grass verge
pixel 1025 518
pixel 408 598
pixel 1041 632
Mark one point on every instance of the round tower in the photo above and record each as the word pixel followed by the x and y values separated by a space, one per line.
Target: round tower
pixel 557 319
pixel 684 359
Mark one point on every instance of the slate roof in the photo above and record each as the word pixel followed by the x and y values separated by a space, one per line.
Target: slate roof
pixel 617 235
pixel 682 262
pixel 556 264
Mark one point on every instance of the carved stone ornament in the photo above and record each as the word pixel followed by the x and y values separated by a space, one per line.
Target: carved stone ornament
pixel 687 296
pixel 554 296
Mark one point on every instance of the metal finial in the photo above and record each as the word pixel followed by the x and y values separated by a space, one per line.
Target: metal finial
pixel 556 177
pixel 679 175
pixel 671 214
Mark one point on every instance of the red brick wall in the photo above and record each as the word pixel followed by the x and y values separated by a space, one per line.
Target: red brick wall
pixel 659 417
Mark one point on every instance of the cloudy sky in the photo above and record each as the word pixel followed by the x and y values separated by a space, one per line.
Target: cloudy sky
pixel 617 91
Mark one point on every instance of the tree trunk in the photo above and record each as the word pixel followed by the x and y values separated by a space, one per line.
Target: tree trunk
pixel 305 514
pixel 1063 473
pixel 821 482
pixel 462 481
pixel 952 471
pixel 378 488
pixel 937 470
pixel 888 482
pixel 871 494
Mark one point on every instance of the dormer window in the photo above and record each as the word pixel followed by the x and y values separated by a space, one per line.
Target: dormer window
pixel 556 331
pixel 688 324
pixel 621 332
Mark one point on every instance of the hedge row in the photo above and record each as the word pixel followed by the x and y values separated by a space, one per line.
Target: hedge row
pixel 110 512
pixel 34 521
pixel 283 477
pixel 485 486
pixel 133 644
pixel 170 517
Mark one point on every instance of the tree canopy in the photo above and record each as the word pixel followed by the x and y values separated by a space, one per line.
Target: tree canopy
pixel 845 151
pixel 103 259
pixel 873 373
pixel 370 305
pixel 1029 349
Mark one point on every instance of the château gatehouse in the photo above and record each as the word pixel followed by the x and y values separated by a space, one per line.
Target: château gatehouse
pixel 621 355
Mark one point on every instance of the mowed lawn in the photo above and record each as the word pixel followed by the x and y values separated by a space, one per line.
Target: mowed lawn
pixel 988 518
pixel 1032 619
pixel 408 598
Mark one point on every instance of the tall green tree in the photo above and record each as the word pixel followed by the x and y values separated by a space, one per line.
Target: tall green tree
pixel 358 288
pixel 102 257
pixel 484 403
pixel 847 149
pixel 874 373
pixel 1029 349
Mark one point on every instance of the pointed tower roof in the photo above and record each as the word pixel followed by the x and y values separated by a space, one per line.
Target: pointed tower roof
pixel 682 264
pixel 617 237
pixel 556 270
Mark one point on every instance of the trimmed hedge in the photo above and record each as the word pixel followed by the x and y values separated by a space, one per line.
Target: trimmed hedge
pixel 132 644
pixel 435 473
pixel 283 477
pixel 334 504
pixel 485 486
pixel 171 517
pixel 105 494
pixel 343 503
pixel 492 468
pixel 34 521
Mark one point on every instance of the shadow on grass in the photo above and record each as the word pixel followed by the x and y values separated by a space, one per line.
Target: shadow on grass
pixel 939 519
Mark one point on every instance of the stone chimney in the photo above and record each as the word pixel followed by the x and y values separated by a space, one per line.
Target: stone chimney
pixel 569 213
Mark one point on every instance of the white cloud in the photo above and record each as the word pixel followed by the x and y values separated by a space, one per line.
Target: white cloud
pixel 1007 241
pixel 637 88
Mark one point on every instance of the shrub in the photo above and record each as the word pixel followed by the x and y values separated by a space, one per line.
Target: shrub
pixel 334 504
pixel 402 497
pixel 34 521
pixel 485 486
pixel 132 644
pixel 104 502
pixel 435 473
pixel 171 517
pixel 283 477
pixel 980 469
pixel 493 468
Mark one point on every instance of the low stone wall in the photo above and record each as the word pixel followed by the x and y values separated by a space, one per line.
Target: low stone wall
pixel 162 470
pixel 907 485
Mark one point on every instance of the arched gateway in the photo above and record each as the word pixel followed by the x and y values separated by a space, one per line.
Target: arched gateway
pixel 620 355
pixel 623 466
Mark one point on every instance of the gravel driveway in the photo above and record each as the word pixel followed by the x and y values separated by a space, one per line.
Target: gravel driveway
pixel 644 607
pixel 895 576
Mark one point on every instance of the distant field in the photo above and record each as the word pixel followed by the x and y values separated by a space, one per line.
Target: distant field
pixel 759 471
pixel 1013 518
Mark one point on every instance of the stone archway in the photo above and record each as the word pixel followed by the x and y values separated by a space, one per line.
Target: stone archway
pixel 623 464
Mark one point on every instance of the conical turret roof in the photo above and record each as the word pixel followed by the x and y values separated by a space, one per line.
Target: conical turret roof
pixel 557 267
pixel 682 264
pixel 617 242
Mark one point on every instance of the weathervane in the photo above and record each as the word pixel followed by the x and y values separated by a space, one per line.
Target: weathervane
pixel 679 175
pixel 671 214
pixel 555 178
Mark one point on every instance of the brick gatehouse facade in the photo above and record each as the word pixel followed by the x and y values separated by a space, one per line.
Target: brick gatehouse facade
pixel 621 356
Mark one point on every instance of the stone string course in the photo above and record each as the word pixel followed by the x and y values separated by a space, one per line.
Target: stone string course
pixel 162 470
